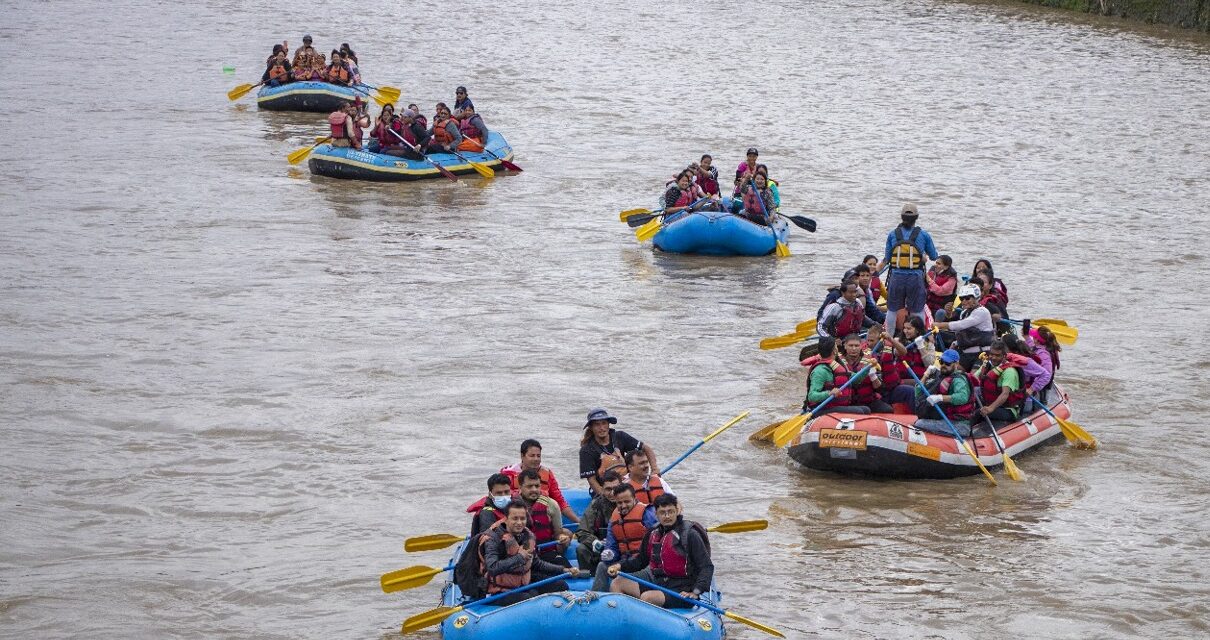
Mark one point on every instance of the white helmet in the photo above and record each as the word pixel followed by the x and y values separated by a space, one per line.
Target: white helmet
pixel 971 290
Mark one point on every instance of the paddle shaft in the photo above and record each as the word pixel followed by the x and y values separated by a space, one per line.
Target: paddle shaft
pixel 503 163
pixel 954 429
pixel 519 589
pixel 703 441
pixel 479 167
pixel 445 172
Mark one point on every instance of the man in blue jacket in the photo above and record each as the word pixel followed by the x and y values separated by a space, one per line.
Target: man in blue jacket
pixel 906 248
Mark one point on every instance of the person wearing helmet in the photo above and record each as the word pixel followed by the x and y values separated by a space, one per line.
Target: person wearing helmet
pixel 974 328
pixel 906 248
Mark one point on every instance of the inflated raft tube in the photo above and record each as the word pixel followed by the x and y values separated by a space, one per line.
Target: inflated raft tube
pixel 351 164
pixel 888 445
pixel 718 233
pixel 579 613
pixel 308 95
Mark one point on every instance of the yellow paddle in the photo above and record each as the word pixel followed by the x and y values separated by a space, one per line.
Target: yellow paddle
pixel 431 542
pixel 435 616
pixel 648 231
pixel 706 605
pixel 742 526
pixel 410 578
pixel 1064 334
pixel 1010 467
pixel 481 169
pixel 1074 433
pixel 730 423
pixel 625 215
pixel 957 436
pixel 789 339
pixel 241 91
pixel 763 434
pixel 1051 321
pixel 807 326
pixel 297 156
pixel 792 427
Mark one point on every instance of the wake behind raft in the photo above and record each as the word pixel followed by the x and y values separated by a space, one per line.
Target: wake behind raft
pixel 579 612
pixel 354 164
pixel 888 445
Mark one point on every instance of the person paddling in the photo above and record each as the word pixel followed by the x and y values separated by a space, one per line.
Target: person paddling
pixel 602 448
pixel 758 200
pixel 907 245
pixel 974 326
pixel 951 391
pixel 278 71
pixel 445 134
pixel 508 558
pixel 680 195
pixel 473 129
pixel 677 555
pixel 825 377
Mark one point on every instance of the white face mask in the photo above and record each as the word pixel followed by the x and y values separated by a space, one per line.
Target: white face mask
pixel 501 501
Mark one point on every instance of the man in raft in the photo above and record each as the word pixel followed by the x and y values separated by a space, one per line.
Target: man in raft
pixel 825 377
pixel 647 485
pixel 490 510
pixel 345 125
pixel 1000 385
pixel 531 458
pixel 445 133
pixel 508 558
pixel 676 552
pixel 602 448
pixel 544 519
pixel 594 526
pixel 628 525
pixel 974 327
pixel 906 248
pixel 951 391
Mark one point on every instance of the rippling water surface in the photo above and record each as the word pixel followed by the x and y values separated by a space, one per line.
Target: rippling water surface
pixel 231 389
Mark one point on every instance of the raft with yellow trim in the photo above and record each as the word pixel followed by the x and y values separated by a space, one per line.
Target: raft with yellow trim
pixel 891 445
pixel 308 95
pixel 351 164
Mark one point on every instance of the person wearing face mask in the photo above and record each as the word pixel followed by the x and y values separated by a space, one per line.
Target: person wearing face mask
pixel 594 526
pixel 490 510
pixel 531 458
pixel 627 526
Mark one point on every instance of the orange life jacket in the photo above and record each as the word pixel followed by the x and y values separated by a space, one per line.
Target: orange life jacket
pixel 337 75
pixel 277 71
pixel 440 133
pixel 628 530
pixel 655 489
pixel 506 581
pixel 610 461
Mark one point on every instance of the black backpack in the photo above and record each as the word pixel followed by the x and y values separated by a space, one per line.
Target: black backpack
pixel 467 575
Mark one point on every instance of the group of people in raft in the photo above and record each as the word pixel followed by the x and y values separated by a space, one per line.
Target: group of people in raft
pixel 408 134
pixel 633 524
pixel 984 369
pixel 309 64
pixel 696 188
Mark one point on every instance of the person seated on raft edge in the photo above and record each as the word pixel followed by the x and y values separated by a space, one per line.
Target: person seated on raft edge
pixel 531 458
pixel 647 484
pixel 984 266
pixel 1000 387
pixel 758 201
pixel 1046 352
pixel 544 518
pixel 337 72
pixel 844 315
pixel 508 558
pixel 594 526
pixel 950 390
pixel 825 377
pixel 745 171
pixel 445 136
pixel 278 70
pixel 345 125
pixel 602 448
pixel 350 60
pixel 628 525
pixel 865 390
pixel 973 326
pixel 676 553
pixel 898 389
pixel 308 63
pixel 472 128
pixel 383 140
pixel 1034 377
pixel 490 509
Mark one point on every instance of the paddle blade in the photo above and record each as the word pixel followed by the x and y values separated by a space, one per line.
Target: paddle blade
pixel 807 326
pixel 408 578
pixel 1011 469
pixel 730 423
pixel 508 166
pixel 789 430
pixel 648 231
pixel 393 92
pixel 428 618
pixel 1065 335
pixel 1051 322
pixel 239 92
pixel 804 223
pixel 765 433
pixel 740 527
pixel 782 250
pixel 638 221
pixel 297 156
pixel 754 624
pixel 483 170
pixel 623 216
pixel 1078 435
pixel 431 543
pixel 982 468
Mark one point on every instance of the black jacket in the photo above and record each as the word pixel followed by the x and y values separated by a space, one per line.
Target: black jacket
pixel 700 569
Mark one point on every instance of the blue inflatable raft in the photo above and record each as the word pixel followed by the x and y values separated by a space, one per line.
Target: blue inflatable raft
pixel 719 233
pixel 343 162
pixel 313 96
pixel 580 613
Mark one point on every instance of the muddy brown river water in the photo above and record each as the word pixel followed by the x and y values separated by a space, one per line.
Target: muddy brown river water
pixel 230 390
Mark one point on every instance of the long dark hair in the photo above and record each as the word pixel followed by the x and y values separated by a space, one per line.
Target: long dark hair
pixel 1051 343
pixel 347 52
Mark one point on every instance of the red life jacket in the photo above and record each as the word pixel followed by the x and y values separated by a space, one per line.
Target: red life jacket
pixel 840 375
pixel 668 556
pixel 515 478
pixel 707 182
pixel 629 530
pixel 935 301
pixel 506 581
pixel 440 134
pixel 686 198
pixel 655 489
pixel 915 360
pixel 336 123
pixel 850 321
pixel 383 133
pixel 875 288
pixel 989 385
pixel 963 411
pixel 889 365
pixel 469 130
pixel 754 204
pixel 863 392
pixel 542 526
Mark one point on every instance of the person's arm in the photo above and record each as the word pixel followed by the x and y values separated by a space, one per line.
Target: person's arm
pixel 827 321
pixel 586 534
pixel 699 557
pixel 929 248
pixel 976 317
pixel 667 489
pixel 497 560
pixel 455 132
pixel 815 390
pixel 588 469
pixel 896 345
pixel 610 541
pixel 1043 378
pixel 556 523
pixel 886 254
pixel 640 559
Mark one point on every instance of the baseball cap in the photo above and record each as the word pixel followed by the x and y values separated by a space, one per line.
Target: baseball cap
pixel 949 356
pixel 909 210
pixel 752 151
